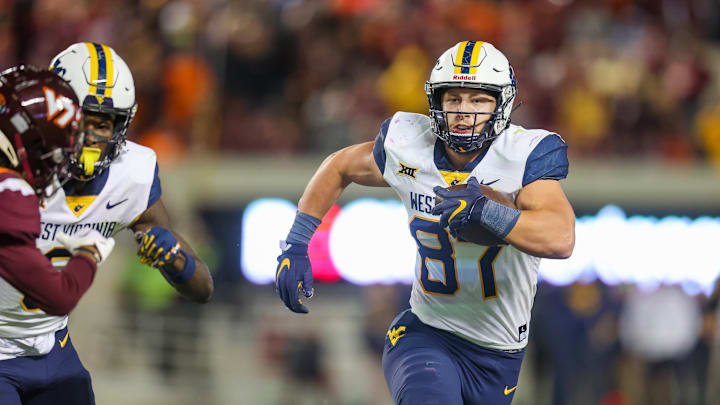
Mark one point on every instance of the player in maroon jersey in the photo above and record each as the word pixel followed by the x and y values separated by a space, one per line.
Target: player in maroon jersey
pixel 39 134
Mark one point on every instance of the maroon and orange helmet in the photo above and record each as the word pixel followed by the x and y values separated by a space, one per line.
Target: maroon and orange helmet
pixel 40 122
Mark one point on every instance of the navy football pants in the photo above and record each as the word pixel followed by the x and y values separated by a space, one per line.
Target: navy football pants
pixel 426 365
pixel 57 378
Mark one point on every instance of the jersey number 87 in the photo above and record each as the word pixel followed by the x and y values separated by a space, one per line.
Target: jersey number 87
pixel 445 254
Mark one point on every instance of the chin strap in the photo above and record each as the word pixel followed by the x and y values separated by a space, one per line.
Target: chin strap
pixel 22 155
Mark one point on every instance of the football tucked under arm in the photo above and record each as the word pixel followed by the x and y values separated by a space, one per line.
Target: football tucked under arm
pixel 476 233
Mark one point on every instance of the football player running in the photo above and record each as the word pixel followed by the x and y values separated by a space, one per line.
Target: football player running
pixel 115 183
pixel 39 136
pixel 463 339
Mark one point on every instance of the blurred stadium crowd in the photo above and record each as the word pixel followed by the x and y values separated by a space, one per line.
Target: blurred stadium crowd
pixel 614 77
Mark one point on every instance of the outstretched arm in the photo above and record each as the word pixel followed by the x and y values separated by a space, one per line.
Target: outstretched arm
pixel 354 164
pixel 199 288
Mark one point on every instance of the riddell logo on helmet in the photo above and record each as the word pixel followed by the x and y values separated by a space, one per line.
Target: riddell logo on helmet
pixel 464 77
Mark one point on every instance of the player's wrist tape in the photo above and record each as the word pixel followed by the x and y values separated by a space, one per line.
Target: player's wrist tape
pixel 182 277
pixel 495 217
pixel 302 229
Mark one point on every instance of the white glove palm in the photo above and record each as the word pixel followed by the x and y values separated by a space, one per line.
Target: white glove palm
pixel 87 237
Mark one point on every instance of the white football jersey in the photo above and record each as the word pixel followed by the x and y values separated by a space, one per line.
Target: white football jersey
pixel 114 205
pixel 484 294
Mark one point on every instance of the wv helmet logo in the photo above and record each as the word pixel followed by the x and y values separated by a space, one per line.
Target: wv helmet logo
pixel 56 68
pixel 408 171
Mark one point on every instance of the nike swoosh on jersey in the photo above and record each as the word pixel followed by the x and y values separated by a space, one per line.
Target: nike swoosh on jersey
pixel 64 341
pixel 489 182
pixel 509 391
pixel 111 206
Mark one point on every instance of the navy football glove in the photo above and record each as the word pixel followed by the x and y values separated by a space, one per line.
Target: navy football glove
pixel 158 247
pixel 459 207
pixel 294 274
